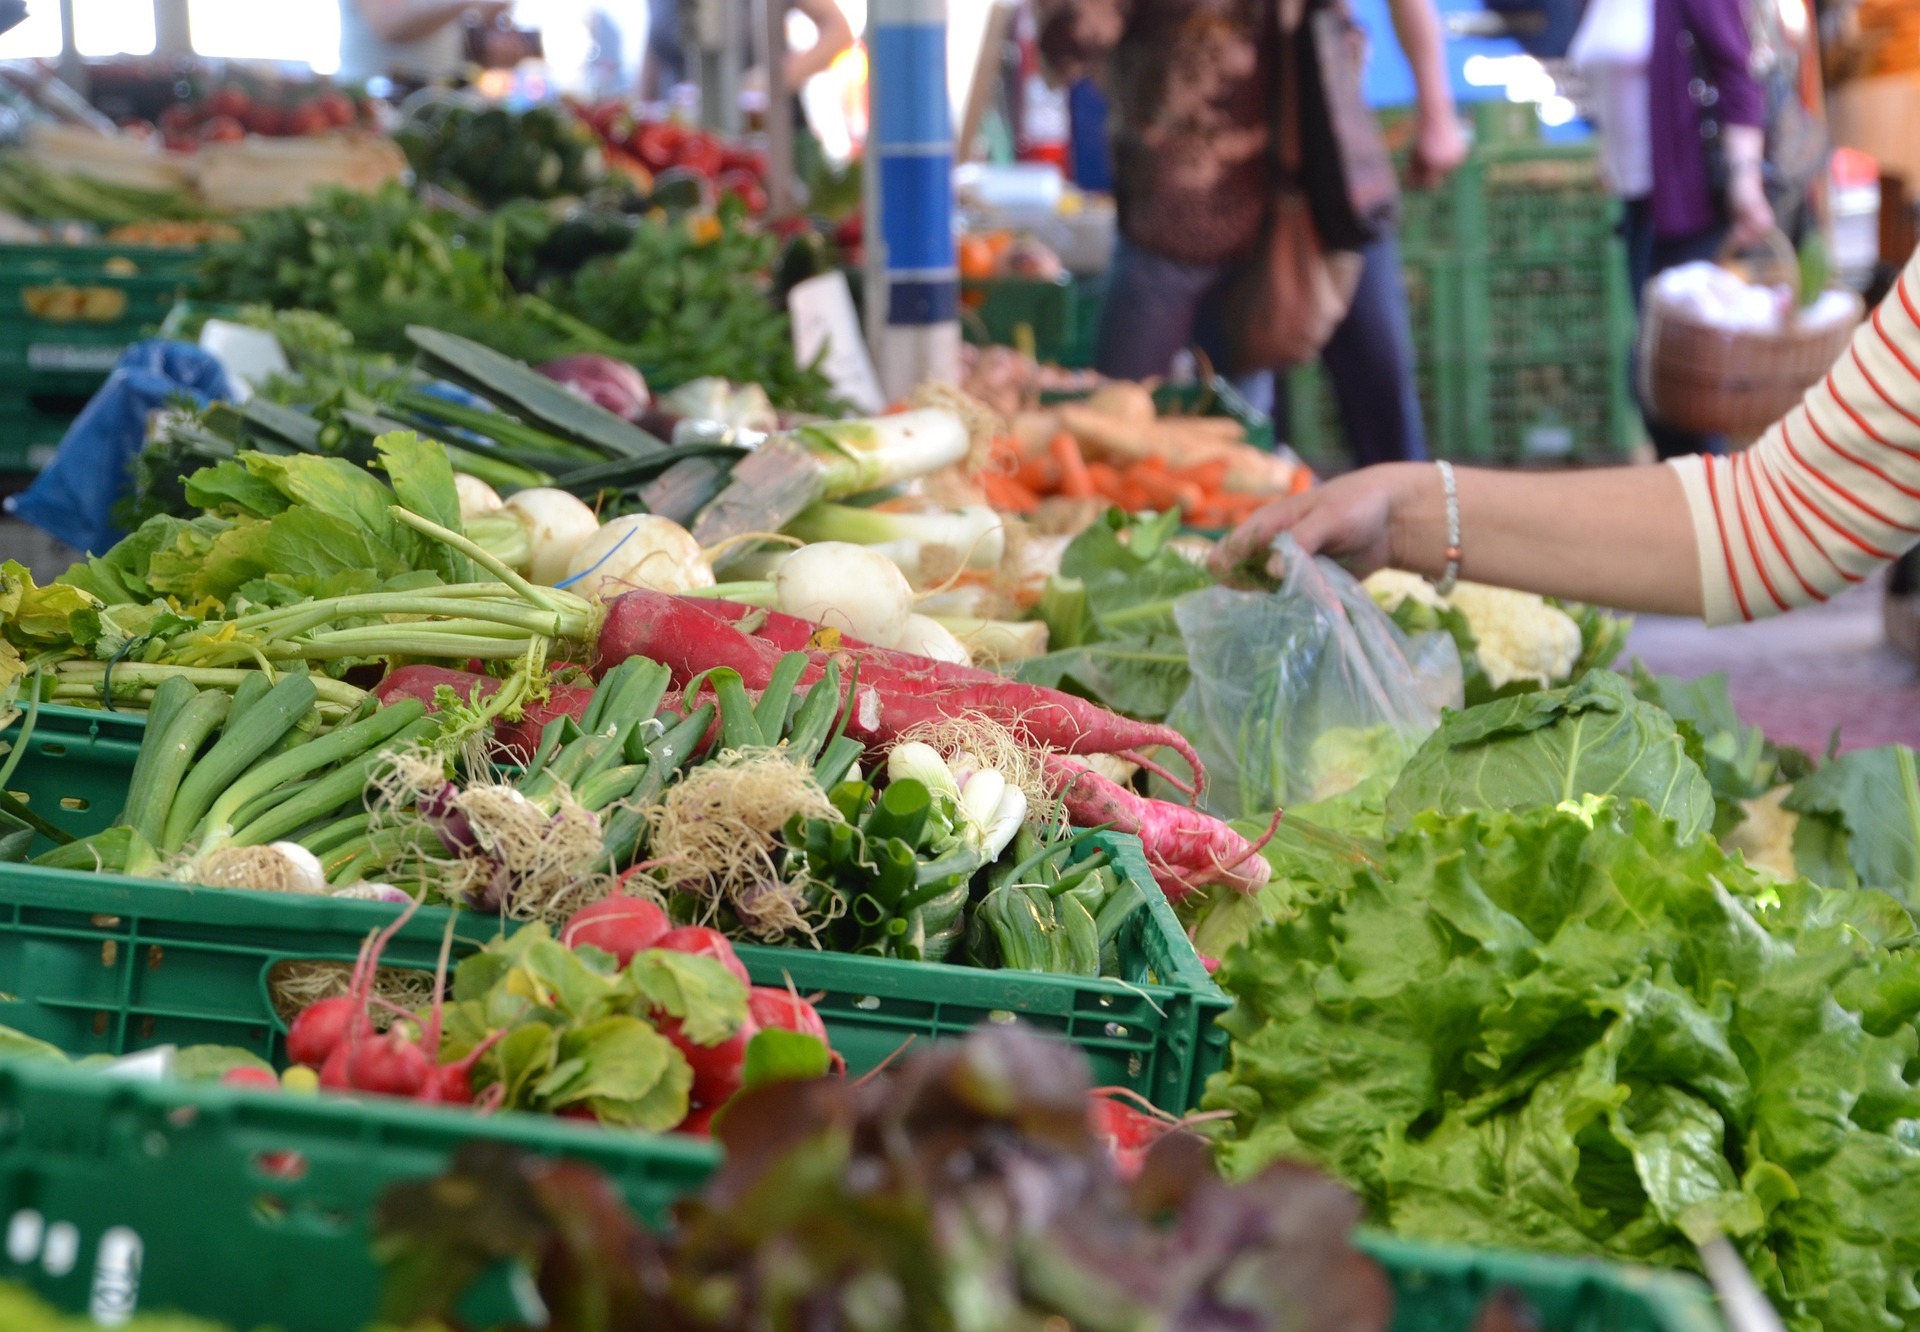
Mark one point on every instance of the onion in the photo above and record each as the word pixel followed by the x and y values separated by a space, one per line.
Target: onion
pixel 639 550
pixel 476 497
pixel 850 588
pixel 557 524
pixel 932 639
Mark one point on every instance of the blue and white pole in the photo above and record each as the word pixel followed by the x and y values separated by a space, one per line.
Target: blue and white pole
pixel 913 283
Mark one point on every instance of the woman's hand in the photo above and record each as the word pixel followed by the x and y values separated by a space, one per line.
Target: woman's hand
pixel 1352 519
pixel 1747 202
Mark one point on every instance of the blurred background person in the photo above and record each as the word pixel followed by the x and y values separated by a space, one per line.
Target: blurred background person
pixel 410 41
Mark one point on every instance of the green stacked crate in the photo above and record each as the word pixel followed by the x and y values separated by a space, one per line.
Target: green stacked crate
pixel 1516 285
pixel 1547 315
pixel 101 964
pixel 122 1196
pixel 66 314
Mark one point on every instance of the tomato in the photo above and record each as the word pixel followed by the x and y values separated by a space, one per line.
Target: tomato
pixel 699 154
pixel 337 107
pixel 733 158
pixel 268 120
pixel 222 129
pixel 178 119
pixel 655 145
pixel 699 1121
pixel 308 119
pixel 977 260
pixel 746 187
pixel 228 101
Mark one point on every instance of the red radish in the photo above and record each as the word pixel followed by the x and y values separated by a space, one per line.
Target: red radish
pixel 619 924
pixel 786 1010
pixel 333 1073
pixel 1126 1131
pixel 579 1111
pixel 699 1121
pixel 702 941
pixel 248 1076
pixel 790 633
pixel 1186 848
pixel 319 1029
pixel 718 1070
pixel 390 1065
pixel 769 1007
pixel 452 1084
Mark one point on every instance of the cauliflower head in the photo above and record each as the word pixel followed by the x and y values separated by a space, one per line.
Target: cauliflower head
pixel 1517 635
pixel 1390 587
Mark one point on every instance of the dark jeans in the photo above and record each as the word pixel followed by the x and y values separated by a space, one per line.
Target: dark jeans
pixel 1648 256
pixel 1157 306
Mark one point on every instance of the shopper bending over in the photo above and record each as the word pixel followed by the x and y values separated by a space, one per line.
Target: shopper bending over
pixel 1827 496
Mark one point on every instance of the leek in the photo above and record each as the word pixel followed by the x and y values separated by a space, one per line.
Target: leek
pixel 858 456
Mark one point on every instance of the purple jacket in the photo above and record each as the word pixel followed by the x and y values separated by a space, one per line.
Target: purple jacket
pixel 1683 202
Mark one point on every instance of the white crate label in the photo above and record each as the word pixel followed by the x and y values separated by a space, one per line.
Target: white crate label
pixel 63 356
pixel 116 1277
pixel 1555 441
pixel 63 1248
pixel 24 1231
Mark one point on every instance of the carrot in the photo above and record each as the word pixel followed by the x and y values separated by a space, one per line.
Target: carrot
pixel 1074 481
pixel 1007 494
pixel 1209 476
pixel 1106 480
pixel 1160 489
pixel 1038 475
pixel 1302 481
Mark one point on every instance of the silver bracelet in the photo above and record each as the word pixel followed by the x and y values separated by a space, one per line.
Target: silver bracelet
pixel 1451 490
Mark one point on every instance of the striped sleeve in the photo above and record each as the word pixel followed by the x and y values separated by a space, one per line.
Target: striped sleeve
pixel 1831 492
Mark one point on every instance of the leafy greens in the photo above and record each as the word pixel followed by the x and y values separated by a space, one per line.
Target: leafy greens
pixel 1590 738
pixel 1574 1030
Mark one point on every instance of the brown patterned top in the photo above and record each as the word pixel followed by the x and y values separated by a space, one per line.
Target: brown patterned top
pixel 1187 108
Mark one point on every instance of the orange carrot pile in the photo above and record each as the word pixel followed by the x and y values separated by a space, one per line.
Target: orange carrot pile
pixel 1017 481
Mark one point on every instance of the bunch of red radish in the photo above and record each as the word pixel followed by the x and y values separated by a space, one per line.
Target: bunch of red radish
pixel 339 1040
pixel 623 926
pixel 1127 1125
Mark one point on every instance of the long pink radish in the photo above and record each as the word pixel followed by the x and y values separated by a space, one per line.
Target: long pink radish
pixel 1187 849
pixel 790 633
pixel 422 681
pixel 689 638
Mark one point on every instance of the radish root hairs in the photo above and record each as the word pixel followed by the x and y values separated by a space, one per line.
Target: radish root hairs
pixel 294 987
pixel 537 863
pixel 718 830
pixel 980 741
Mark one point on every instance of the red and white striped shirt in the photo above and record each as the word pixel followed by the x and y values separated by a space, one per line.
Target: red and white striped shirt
pixel 1831 492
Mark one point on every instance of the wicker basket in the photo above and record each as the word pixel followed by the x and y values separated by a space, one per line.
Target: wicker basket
pixel 1710 381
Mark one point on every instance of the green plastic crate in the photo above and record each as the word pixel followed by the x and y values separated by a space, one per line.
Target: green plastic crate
pixel 1439 1288
pixel 1006 312
pixel 132 288
pixel 117 1195
pixel 88 1163
pixel 101 964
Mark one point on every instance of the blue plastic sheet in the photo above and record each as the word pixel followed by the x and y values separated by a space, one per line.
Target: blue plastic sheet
pixel 74 498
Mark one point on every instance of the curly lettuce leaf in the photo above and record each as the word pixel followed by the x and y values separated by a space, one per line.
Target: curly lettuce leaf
pixel 1593 738
pixel 1572 1029
pixel 1860 823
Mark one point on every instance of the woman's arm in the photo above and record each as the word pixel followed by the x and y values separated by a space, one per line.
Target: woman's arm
pixel 1619 536
pixel 1828 495
pixel 410 20
pixel 836 35
pixel 1439 146
pixel 1719 30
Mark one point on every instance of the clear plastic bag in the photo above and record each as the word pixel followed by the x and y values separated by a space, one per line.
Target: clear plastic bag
pixel 1307 694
